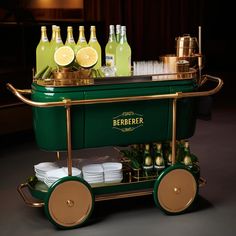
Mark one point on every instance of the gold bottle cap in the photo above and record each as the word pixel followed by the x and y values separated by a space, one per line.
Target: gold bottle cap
pixel 186 144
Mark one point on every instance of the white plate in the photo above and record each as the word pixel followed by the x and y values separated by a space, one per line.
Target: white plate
pixel 45 166
pixel 93 168
pixel 112 166
pixel 62 172
pixel 75 171
pixel 113 181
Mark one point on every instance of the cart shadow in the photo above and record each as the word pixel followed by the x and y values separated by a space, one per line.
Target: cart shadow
pixel 103 210
pixel 202 204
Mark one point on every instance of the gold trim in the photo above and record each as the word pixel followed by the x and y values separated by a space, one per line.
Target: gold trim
pixel 122 99
pixel 174 108
pixel 105 197
pixel 68 128
pixel 25 91
pixel 121 183
pixel 28 202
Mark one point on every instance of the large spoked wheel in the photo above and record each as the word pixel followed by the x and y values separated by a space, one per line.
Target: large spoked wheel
pixel 69 202
pixel 175 190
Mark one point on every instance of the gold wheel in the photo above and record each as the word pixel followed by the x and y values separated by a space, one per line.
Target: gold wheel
pixel 70 203
pixel 176 190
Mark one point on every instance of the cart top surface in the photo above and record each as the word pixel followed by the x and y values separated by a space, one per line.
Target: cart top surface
pixel 114 82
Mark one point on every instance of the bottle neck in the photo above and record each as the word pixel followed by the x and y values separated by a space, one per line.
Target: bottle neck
pixel 186 149
pixel 70 38
pixel 81 35
pixel 53 33
pixel 118 33
pixel 147 149
pixel 44 37
pixel 93 37
pixel 123 38
pixel 112 37
pixel 58 36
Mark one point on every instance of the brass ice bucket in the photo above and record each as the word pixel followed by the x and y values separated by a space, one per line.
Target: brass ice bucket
pixel 67 77
pixel 186 46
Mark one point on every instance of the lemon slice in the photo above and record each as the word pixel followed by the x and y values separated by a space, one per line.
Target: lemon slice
pixel 86 57
pixel 64 56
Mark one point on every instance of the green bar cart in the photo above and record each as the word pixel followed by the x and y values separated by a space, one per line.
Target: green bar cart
pixel 114 111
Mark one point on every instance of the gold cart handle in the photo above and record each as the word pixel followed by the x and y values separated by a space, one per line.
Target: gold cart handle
pixel 205 78
pixel 28 201
pixel 67 102
pixel 18 93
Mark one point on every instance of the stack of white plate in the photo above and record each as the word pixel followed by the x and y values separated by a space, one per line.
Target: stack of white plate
pixel 42 168
pixel 112 172
pixel 53 175
pixel 108 172
pixel 93 173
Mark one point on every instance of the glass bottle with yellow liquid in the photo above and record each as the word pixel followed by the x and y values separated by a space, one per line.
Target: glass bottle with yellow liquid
pixel 54 46
pixel 123 55
pixel 110 49
pixel 70 38
pixel 93 42
pixel 42 51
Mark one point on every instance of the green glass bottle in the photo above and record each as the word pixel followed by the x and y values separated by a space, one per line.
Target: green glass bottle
pixel 54 46
pixel 70 38
pixel 118 33
pixel 159 162
pixel 42 50
pixel 187 159
pixel 123 55
pixel 169 154
pixel 81 39
pixel 180 150
pixel 147 161
pixel 93 42
pixel 110 49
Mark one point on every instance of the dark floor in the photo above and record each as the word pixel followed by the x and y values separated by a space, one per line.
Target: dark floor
pixel 213 142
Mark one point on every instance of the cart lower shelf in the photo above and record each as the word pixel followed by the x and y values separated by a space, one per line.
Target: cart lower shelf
pixel 69 202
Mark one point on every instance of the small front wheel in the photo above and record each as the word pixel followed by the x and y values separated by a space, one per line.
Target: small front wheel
pixel 69 202
pixel 175 190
